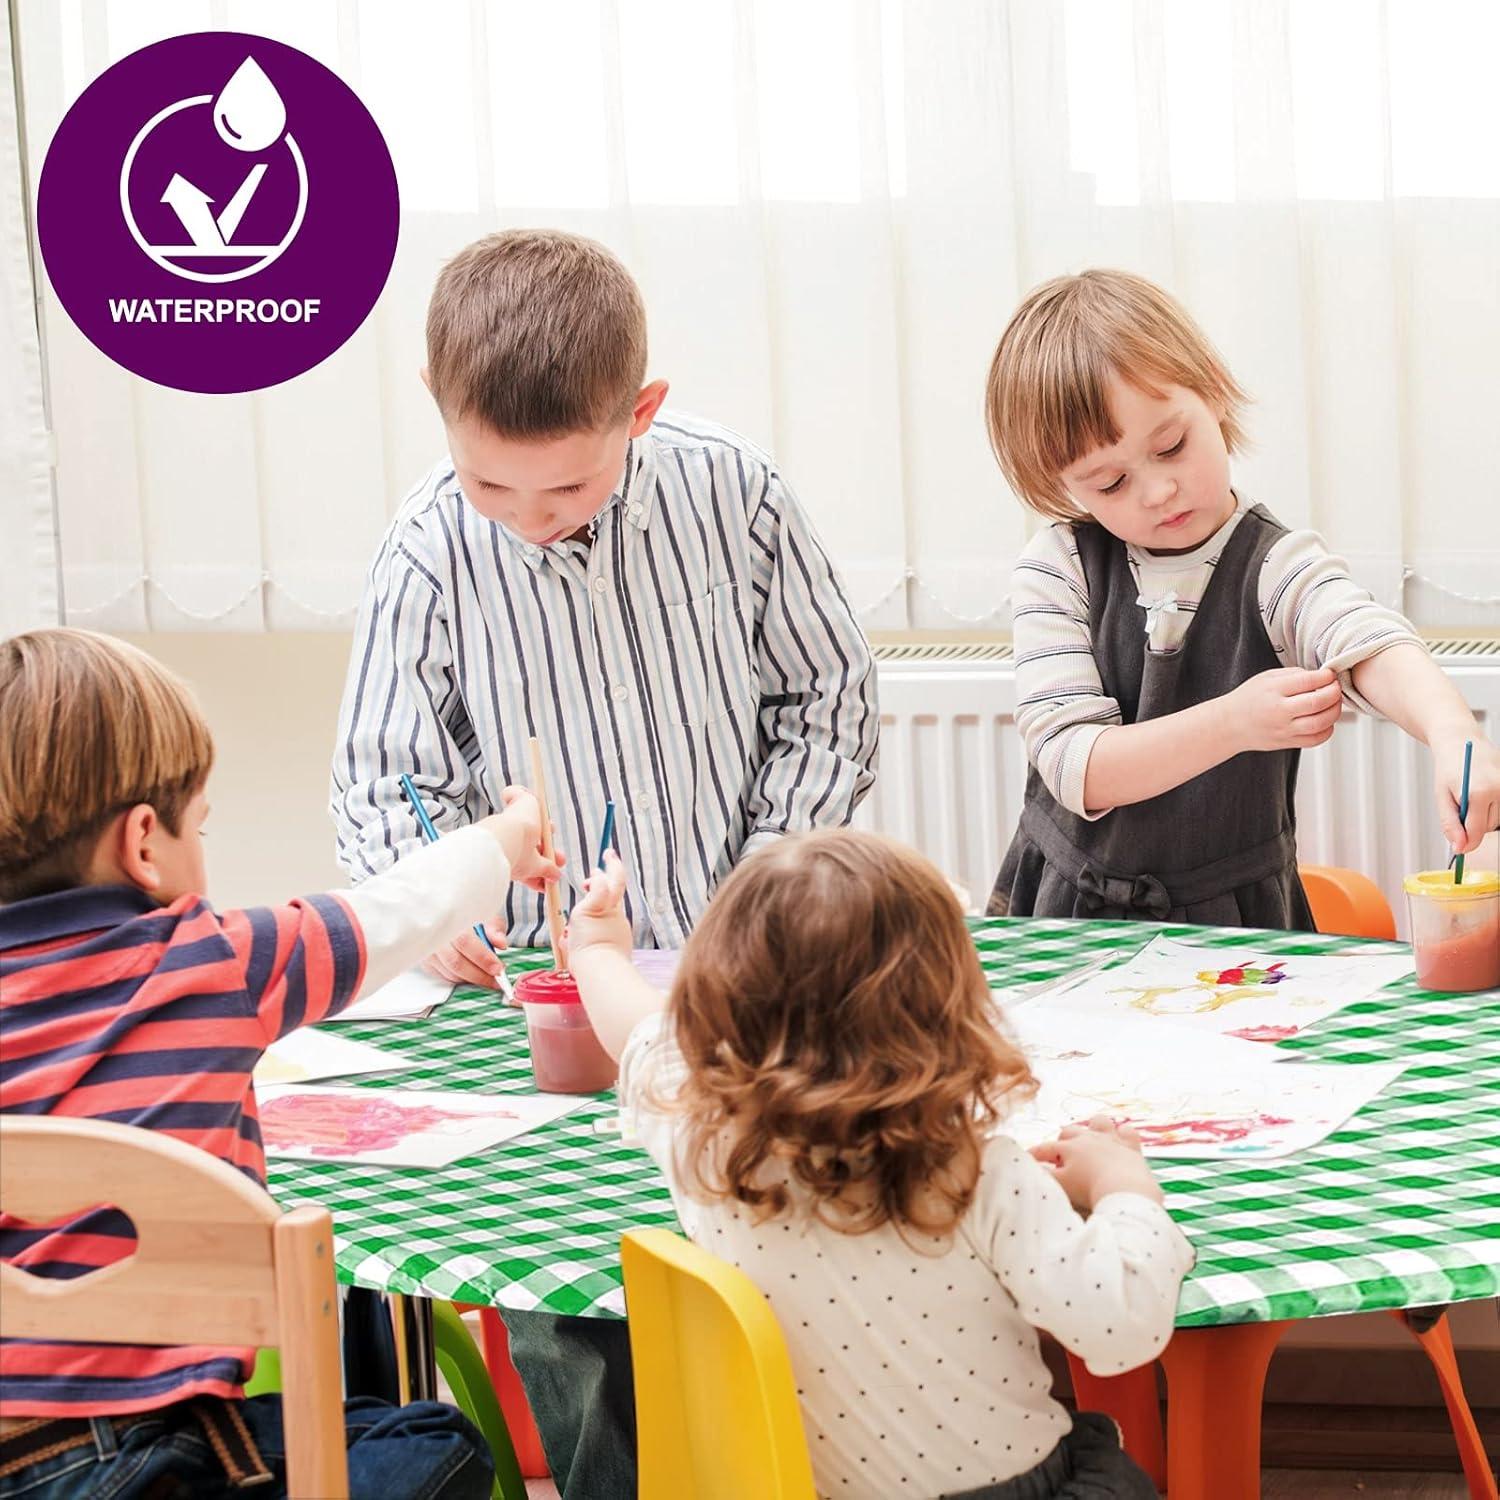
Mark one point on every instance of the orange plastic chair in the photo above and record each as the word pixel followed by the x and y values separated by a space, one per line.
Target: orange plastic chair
pixel 716 1402
pixel 216 1262
pixel 1346 902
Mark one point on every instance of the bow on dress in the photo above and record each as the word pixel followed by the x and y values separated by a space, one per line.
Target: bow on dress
pixel 1114 896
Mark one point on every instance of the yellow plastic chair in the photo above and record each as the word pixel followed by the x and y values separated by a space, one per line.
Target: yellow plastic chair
pixel 216 1262
pixel 716 1403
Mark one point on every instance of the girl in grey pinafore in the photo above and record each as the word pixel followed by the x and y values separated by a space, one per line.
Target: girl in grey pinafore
pixel 1219 849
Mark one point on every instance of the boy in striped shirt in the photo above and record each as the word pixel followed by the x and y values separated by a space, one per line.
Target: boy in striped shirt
pixel 643 593
pixel 125 996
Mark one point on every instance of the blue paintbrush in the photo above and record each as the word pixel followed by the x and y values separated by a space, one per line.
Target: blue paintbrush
pixel 431 835
pixel 1463 808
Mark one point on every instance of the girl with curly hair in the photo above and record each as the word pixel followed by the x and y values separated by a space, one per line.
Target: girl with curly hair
pixel 825 1088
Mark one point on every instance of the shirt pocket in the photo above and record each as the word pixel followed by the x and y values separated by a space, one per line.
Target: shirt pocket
pixel 708 643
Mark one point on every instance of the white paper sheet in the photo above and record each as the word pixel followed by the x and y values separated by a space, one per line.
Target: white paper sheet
pixel 308 1054
pixel 409 995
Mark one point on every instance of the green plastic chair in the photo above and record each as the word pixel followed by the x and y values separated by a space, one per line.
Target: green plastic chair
pixel 462 1366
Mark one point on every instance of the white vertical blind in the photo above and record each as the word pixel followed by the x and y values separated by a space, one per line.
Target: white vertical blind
pixel 832 206
pixel 28 557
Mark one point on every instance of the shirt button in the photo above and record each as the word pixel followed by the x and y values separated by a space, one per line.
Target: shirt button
pixel 644 802
pixel 600 585
pixel 634 508
pixel 619 692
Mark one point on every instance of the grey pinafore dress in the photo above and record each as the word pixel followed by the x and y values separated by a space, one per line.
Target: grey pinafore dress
pixel 1219 849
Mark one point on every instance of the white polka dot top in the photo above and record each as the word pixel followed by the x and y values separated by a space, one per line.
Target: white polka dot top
pixel 919 1373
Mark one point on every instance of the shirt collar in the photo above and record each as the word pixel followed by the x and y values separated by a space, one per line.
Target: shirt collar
pixel 633 497
pixel 61 914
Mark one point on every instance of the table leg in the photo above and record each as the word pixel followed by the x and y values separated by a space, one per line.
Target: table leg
pixel 1215 1380
pixel 512 1396
pixel 1437 1344
pixel 416 1347
pixel 1132 1400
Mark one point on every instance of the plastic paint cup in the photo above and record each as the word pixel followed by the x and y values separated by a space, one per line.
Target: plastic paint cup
pixel 1455 929
pixel 566 1057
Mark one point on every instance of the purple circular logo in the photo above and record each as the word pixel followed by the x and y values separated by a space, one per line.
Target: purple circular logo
pixel 218 212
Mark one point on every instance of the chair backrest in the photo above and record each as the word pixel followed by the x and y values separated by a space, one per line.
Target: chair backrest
pixel 216 1262
pixel 716 1403
pixel 1346 902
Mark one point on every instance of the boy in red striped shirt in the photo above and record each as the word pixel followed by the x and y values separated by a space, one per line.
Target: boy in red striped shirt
pixel 125 996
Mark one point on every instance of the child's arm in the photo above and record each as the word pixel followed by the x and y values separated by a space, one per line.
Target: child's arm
pixel 1089 760
pixel 1283 709
pixel 615 995
pixel 1406 685
pixel 818 715
pixel 1106 1286
pixel 307 960
pixel 1317 616
pixel 399 713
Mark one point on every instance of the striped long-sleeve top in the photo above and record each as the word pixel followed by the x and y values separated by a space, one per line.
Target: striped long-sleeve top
pixel 695 661
pixel 1314 614
pixel 115 1008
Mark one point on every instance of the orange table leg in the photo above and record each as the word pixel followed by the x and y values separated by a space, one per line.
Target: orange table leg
pixel 1132 1400
pixel 1437 1344
pixel 512 1398
pixel 1215 1378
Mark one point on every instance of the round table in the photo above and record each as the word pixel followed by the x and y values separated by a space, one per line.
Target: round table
pixel 1400 1208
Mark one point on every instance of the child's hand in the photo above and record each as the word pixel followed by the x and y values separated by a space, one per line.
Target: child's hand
pixel 467 961
pixel 1286 708
pixel 598 921
pixel 1094 1160
pixel 518 830
pixel 1484 791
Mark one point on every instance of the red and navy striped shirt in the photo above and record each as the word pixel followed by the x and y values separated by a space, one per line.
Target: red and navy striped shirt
pixel 115 1008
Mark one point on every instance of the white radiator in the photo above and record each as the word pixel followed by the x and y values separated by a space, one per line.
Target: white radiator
pixel 952 769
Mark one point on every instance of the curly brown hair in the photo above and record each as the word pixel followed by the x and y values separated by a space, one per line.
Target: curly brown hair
pixel 837 1027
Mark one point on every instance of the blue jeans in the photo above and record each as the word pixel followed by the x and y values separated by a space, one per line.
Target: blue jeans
pixel 579 1384
pixel 425 1451
pixel 1088 1464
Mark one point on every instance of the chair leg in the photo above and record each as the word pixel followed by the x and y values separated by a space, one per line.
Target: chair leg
pixel 463 1368
pixel 1132 1400
pixel 1437 1345
pixel 1215 1379
pixel 512 1396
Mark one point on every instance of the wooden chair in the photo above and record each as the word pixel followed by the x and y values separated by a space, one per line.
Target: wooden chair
pixel 216 1262
pixel 716 1403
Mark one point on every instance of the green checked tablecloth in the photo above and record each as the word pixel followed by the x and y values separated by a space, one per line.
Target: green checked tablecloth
pixel 1401 1208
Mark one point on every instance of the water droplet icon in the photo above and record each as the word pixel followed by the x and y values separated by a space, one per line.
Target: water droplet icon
pixel 249 114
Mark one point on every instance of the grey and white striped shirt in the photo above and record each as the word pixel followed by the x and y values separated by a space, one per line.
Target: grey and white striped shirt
pixel 697 663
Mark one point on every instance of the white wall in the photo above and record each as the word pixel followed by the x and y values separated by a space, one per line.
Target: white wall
pixel 272 703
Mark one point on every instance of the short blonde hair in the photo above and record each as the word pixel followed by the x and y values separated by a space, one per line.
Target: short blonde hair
pixel 536 333
pixel 92 727
pixel 1046 401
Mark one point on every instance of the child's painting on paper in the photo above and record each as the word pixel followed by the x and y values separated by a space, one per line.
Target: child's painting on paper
pixel 1204 1096
pixel 396 1127
pixel 1240 993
